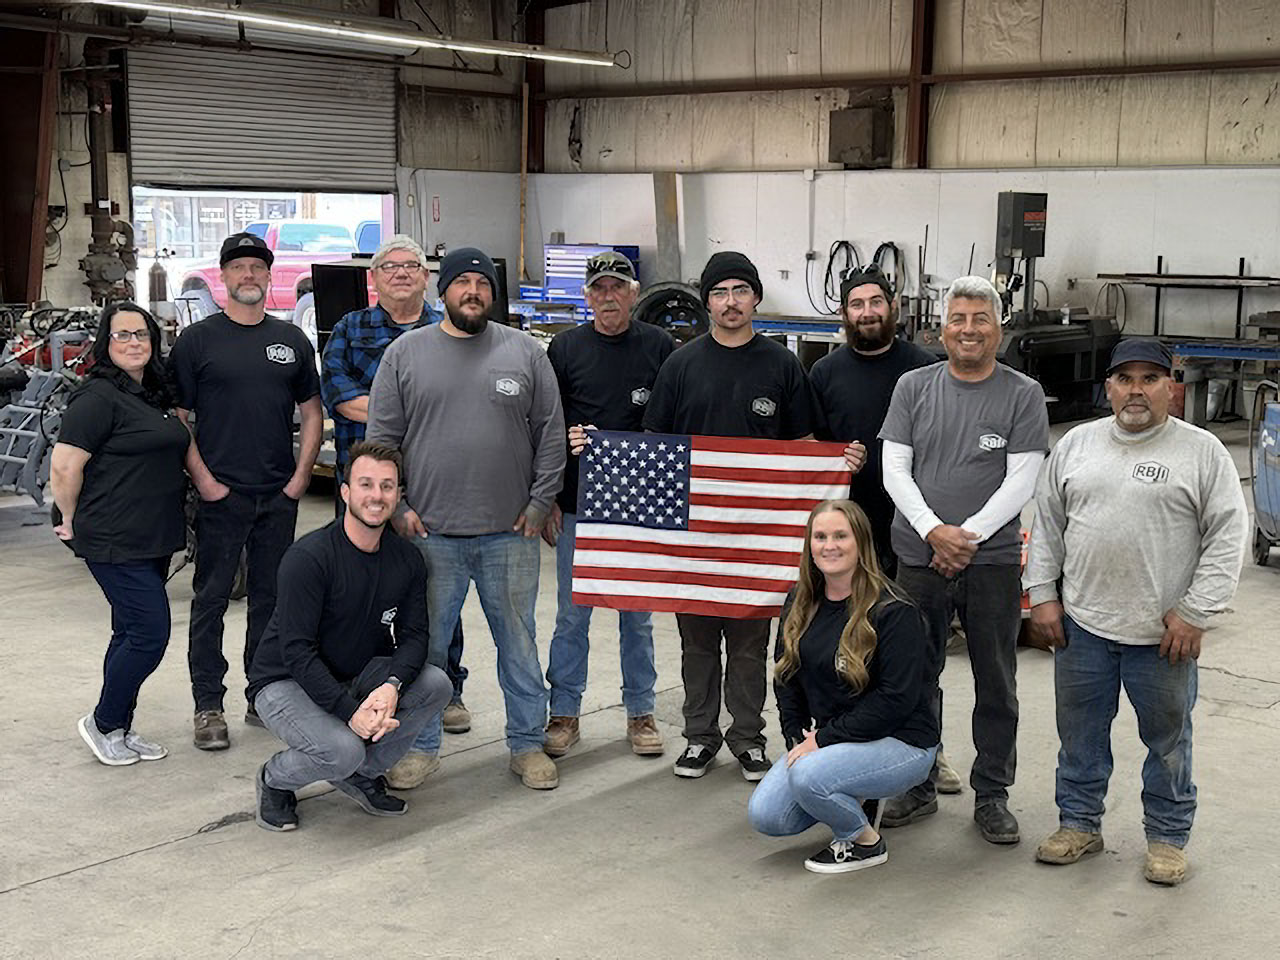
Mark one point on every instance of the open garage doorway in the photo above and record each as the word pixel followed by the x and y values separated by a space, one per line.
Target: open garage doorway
pixel 183 230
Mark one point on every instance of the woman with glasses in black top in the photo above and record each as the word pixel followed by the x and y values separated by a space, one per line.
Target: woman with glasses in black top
pixel 854 695
pixel 118 485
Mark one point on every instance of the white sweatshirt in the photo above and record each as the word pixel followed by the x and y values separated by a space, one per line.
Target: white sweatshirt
pixel 1137 524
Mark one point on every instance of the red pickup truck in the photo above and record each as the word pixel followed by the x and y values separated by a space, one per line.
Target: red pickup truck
pixel 297 244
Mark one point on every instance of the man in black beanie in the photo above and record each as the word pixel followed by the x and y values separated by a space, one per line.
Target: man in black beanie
pixel 728 383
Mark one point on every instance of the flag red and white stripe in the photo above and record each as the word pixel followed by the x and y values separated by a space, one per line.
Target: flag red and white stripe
pixel 747 503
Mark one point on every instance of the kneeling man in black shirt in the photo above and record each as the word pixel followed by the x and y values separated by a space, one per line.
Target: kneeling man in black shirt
pixel 341 674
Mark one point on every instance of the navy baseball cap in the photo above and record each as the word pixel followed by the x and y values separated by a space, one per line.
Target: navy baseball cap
pixel 245 245
pixel 1135 350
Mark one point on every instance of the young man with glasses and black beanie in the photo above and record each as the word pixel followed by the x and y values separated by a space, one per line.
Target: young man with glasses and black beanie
pixel 729 382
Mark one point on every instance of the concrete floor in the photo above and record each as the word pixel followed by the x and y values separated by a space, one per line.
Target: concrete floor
pixel 623 860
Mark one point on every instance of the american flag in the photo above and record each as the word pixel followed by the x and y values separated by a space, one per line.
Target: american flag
pixel 708 525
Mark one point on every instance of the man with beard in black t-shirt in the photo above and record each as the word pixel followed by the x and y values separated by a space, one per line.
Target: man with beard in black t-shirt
pixel 729 382
pixel 606 371
pixel 242 372
pixel 852 387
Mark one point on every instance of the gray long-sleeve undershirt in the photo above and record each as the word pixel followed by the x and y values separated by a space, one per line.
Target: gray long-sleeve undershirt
pixel 1137 525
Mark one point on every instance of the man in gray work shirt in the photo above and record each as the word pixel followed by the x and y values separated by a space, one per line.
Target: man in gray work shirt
pixel 963 442
pixel 475 409
pixel 1143 520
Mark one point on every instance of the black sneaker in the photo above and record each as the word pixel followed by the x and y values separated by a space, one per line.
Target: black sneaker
pixel 695 760
pixel 251 718
pixel 845 856
pixel 277 809
pixel 371 795
pixel 754 764
pixel 995 821
pixel 907 808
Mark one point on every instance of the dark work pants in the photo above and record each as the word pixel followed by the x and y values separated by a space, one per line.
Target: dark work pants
pixel 988 600
pixel 264 524
pixel 139 634
pixel 453 668
pixel 746 644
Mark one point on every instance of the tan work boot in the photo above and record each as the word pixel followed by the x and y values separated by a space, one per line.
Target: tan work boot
pixel 1166 864
pixel 456 718
pixel 1065 845
pixel 414 767
pixel 643 733
pixel 948 780
pixel 536 770
pixel 562 733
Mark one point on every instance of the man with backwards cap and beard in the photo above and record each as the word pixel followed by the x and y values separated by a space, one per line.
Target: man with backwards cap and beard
pixel 475 409
pixel 728 383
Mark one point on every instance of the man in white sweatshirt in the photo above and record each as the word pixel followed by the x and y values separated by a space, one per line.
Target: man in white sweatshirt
pixel 1142 520
pixel 963 442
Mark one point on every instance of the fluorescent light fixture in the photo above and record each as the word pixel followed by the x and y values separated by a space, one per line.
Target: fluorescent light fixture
pixel 347 29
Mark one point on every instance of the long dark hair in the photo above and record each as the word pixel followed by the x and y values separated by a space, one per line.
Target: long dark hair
pixel 155 387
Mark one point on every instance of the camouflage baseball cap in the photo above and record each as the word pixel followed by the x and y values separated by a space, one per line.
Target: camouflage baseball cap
pixel 609 264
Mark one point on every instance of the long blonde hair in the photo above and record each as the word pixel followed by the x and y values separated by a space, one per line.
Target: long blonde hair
pixel 858 639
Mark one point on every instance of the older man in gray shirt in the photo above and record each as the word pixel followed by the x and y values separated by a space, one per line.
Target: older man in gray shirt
pixel 1142 519
pixel 475 409
pixel 963 442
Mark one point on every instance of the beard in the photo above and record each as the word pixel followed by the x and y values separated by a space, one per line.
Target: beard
pixel 867 336
pixel 248 293
pixel 465 322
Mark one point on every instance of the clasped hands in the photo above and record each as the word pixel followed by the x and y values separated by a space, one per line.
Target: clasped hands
pixel 953 548
pixel 375 718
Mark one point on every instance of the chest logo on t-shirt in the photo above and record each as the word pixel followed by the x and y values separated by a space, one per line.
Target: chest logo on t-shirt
pixel 764 407
pixel 1150 472
pixel 508 387
pixel 281 353
pixel 992 441
pixel 389 616
pixel 640 396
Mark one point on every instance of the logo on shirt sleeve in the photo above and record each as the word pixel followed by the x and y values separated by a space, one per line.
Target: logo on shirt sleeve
pixel 281 353
pixel 764 407
pixel 508 387
pixel 1150 472
pixel 640 396
pixel 389 616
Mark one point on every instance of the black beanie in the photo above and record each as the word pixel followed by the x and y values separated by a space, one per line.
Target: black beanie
pixel 465 260
pixel 730 265
pixel 861 277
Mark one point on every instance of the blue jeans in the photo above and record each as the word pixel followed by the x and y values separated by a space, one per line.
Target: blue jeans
pixel 567 671
pixel 504 567
pixel 139 634
pixel 1087 675
pixel 829 785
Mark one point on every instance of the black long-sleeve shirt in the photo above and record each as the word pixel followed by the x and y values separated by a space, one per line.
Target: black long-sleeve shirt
pixel 897 700
pixel 337 608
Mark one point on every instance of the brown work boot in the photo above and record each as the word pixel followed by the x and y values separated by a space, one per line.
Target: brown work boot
pixel 211 730
pixel 536 770
pixel 1166 864
pixel 562 733
pixel 414 767
pixel 457 718
pixel 644 736
pixel 1065 845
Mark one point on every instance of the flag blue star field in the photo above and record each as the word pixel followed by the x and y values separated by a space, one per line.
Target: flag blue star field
pixel 708 525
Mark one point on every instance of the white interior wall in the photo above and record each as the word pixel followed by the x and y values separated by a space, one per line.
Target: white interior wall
pixel 1201 220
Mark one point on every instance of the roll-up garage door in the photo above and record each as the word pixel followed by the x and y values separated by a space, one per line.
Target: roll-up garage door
pixel 226 119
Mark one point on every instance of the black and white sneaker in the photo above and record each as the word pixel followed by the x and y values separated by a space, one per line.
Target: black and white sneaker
pixel 695 761
pixel 371 795
pixel 754 764
pixel 277 809
pixel 845 856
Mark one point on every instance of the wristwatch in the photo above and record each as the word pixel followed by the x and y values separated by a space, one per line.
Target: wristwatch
pixel 394 681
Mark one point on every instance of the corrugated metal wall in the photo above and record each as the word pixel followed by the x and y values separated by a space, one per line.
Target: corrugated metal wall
pixel 1219 118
